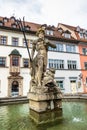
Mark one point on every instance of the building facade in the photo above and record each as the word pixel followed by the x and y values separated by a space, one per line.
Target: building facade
pixel 14 59
pixel 79 34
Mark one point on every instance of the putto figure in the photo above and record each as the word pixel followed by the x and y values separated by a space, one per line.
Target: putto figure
pixel 39 62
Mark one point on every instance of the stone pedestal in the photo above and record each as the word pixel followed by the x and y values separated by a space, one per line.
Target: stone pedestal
pixel 46 117
pixel 45 107
pixel 45 101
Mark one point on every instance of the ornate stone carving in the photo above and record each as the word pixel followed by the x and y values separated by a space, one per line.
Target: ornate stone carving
pixel 19 79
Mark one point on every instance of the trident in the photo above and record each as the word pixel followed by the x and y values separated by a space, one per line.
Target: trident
pixel 21 26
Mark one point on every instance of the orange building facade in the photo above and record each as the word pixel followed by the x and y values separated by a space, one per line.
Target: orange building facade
pixel 83 63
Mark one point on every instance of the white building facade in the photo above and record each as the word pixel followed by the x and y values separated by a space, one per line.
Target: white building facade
pixel 14 63
pixel 11 83
pixel 67 63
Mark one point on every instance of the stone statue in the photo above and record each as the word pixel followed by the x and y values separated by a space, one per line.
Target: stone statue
pixel 39 62
pixel 44 94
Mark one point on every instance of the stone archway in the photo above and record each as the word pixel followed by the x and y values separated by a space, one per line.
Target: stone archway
pixel 15 83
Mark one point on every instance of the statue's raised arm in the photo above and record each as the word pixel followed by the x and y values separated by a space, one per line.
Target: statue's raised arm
pixel 50 44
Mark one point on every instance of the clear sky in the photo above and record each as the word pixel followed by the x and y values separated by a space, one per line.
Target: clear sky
pixel 50 12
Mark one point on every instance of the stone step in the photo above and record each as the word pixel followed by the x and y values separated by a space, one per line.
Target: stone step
pixel 13 100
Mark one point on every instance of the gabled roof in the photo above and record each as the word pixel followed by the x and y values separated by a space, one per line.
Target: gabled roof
pixel 76 32
pixel 73 28
pixel 69 26
pixel 33 26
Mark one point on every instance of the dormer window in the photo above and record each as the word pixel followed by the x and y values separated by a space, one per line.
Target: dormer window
pixel 14 25
pixel 67 34
pixel 78 29
pixel 84 31
pixel 49 32
pixel 85 35
pixel 81 35
pixel 5 19
pixel 60 30
pixel 12 18
pixel 27 27
pixel 1 23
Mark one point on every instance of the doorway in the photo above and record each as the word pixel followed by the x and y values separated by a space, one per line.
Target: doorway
pixel 15 89
pixel 73 86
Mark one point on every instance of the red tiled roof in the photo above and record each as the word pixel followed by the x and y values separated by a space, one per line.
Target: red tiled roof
pixel 34 27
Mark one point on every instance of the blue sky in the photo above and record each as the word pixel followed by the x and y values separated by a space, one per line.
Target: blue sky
pixel 50 12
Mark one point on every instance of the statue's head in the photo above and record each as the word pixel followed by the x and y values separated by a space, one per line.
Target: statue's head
pixel 40 32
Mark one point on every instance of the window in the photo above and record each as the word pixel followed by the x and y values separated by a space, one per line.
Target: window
pixel 27 27
pixel 14 25
pixel 59 47
pixel 81 35
pixel 70 48
pixel 14 41
pixel 85 35
pixel 26 63
pixel 86 81
pixel 57 64
pixel 3 40
pixel 71 64
pixel 2 61
pixel 51 63
pixel 66 35
pixel 52 49
pixel 5 19
pixel 31 42
pixel 84 51
pixel 0 86
pixel 60 30
pixel 1 23
pixel 24 43
pixel 60 84
pixel 12 19
pixel 85 65
pixel 49 32
pixel 15 61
